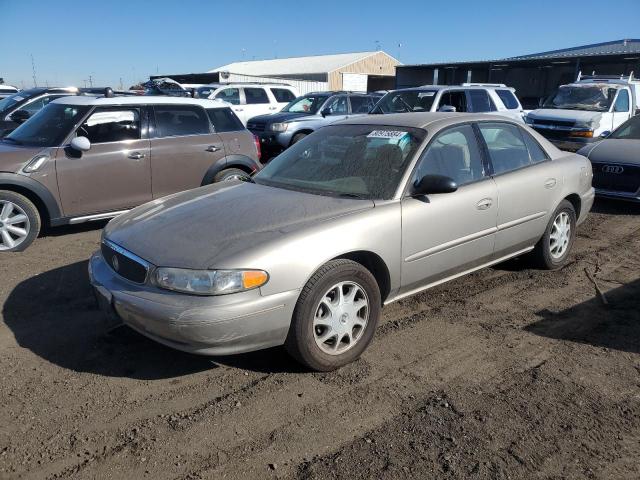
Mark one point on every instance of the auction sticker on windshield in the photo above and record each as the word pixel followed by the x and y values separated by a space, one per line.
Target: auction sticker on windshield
pixel 388 134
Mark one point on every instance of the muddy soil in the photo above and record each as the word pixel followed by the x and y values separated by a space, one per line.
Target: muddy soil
pixel 510 372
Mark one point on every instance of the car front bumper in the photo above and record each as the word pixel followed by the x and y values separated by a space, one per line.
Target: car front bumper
pixel 628 196
pixel 273 140
pixel 207 325
pixel 562 139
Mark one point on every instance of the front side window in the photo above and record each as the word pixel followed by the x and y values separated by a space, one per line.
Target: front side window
pixel 622 102
pixel 36 105
pixel 49 127
pixel 255 96
pixel 224 120
pixel 177 120
pixel 106 125
pixel 508 98
pixel 283 95
pixel 458 100
pixel 360 104
pixel 308 104
pixel 361 161
pixel 454 153
pixel 231 95
pixel 506 146
pixel 629 130
pixel 480 101
pixel 10 101
pixel 406 101
pixel 337 105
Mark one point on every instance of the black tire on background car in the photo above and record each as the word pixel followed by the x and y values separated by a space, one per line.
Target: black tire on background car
pixel 19 222
pixel 230 174
pixel 552 251
pixel 297 137
pixel 335 317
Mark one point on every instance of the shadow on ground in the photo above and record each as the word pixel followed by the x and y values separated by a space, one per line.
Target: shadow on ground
pixel 615 207
pixel 615 326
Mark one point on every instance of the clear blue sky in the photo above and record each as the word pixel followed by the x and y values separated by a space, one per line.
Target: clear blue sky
pixel 113 39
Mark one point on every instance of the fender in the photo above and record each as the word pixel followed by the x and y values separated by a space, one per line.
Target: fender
pixel 35 187
pixel 239 161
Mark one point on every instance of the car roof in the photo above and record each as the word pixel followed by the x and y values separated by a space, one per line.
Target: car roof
pixel 421 119
pixel 450 87
pixel 140 100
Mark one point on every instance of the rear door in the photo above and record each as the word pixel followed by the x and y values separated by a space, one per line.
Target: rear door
pixel 183 147
pixel 282 97
pixel 115 173
pixel 528 185
pixel 479 101
pixel 257 102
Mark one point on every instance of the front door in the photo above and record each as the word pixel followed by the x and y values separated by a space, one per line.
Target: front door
pixel 183 147
pixel 621 109
pixel 115 173
pixel 446 234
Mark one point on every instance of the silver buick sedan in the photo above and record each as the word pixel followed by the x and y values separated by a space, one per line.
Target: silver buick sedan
pixel 353 217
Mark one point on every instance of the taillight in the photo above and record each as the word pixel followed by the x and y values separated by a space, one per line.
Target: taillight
pixel 256 141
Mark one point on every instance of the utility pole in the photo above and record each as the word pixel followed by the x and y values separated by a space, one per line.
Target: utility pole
pixel 90 81
pixel 121 87
pixel 33 70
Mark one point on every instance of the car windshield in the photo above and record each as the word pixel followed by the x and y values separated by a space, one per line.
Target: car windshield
pixel 308 104
pixel 406 101
pixel 11 100
pixel 629 130
pixel 357 161
pixel 48 127
pixel 596 98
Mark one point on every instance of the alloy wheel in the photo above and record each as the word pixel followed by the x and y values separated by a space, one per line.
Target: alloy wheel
pixel 14 225
pixel 560 235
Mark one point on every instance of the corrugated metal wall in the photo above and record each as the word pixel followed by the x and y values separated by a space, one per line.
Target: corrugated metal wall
pixel 379 63
pixel 303 86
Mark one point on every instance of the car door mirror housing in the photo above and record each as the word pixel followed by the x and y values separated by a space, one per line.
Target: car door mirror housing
pixel 325 112
pixel 605 134
pixel 80 144
pixel 447 108
pixel 432 184
pixel 19 116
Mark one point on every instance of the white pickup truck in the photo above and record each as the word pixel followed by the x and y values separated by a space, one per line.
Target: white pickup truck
pixel 587 110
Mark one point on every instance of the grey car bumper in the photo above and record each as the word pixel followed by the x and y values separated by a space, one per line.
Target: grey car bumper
pixel 207 325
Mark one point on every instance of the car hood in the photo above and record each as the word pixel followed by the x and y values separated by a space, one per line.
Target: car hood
pixel 614 151
pixel 12 157
pixel 579 116
pixel 278 117
pixel 200 228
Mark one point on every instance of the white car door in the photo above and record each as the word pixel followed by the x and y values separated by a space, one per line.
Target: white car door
pixel 232 96
pixel 256 103
pixel 621 109
pixel 282 96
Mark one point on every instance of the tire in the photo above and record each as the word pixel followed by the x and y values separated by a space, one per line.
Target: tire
pixel 551 257
pixel 297 137
pixel 358 323
pixel 18 215
pixel 230 174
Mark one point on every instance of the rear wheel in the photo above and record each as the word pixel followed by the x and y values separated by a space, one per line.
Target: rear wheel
pixel 231 174
pixel 335 317
pixel 19 222
pixel 552 251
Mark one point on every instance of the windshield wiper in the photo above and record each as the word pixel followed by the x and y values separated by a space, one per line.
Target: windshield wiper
pixel 350 195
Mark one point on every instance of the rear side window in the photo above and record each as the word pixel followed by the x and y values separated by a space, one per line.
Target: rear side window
pixel 506 146
pixel 283 95
pixel 176 120
pixel 536 152
pixel 224 120
pixel 508 98
pixel 105 126
pixel 361 104
pixel 255 95
pixel 480 101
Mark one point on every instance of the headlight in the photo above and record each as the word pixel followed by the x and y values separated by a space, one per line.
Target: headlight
pixel 528 121
pixel 279 127
pixel 35 164
pixel 583 133
pixel 209 282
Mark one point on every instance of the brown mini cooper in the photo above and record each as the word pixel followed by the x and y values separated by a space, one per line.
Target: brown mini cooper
pixel 90 158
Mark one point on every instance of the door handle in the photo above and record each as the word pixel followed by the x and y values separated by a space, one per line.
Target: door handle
pixel 237 109
pixel 484 204
pixel 550 183
pixel 136 155
pixel 212 148
pixel 272 108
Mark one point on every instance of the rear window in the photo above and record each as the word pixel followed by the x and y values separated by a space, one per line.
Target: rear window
pixel 508 98
pixel 224 120
pixel 255 95
pixel 176 120
pixel 283 95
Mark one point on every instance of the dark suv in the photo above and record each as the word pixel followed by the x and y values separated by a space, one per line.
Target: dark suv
pixel 87 158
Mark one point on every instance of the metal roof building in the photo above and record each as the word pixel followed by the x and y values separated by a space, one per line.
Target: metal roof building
pixel 535 75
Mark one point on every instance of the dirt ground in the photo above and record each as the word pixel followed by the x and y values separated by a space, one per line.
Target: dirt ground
pixel 508 373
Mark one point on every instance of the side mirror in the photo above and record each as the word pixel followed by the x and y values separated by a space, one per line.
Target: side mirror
pixel 447 108
pixel 81 144
pixel 431 184
pixel 605 134
pixel 325 112
pixel 19 116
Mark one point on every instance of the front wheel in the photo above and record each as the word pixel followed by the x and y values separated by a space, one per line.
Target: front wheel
pixel 552 251
pixel 297 137
pixel 231 174
pixel 335 317
pixel 19 222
